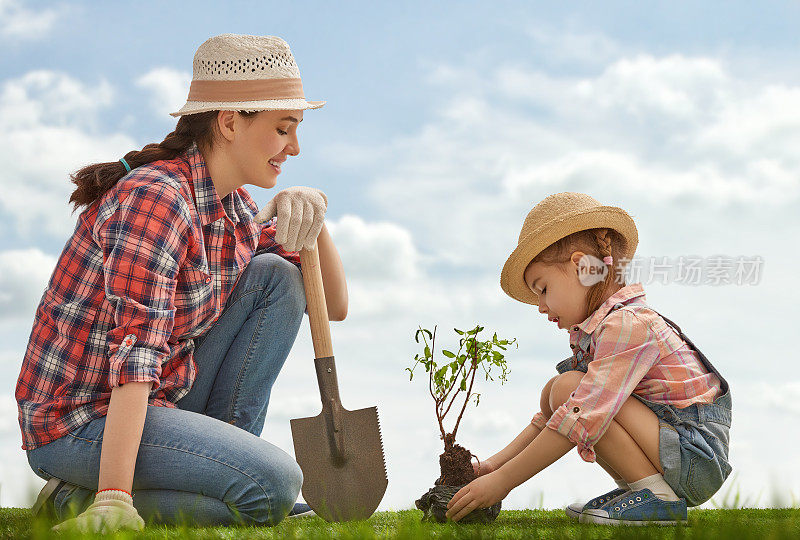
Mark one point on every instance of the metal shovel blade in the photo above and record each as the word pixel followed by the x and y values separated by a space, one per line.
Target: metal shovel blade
pixel 342 480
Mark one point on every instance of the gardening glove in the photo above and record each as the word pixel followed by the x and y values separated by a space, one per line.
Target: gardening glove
pixel 300 212
pixel 110 511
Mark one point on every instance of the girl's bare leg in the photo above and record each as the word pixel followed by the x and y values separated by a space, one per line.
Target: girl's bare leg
pixel 545 405
pixel 630 445
pixel 544 401
pixel 611 472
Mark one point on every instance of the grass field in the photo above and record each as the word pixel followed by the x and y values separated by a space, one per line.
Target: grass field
pixel 551 524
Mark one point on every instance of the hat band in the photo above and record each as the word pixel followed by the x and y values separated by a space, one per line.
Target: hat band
pixel 256 90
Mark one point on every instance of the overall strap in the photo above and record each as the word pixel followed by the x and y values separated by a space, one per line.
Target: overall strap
pixel 706 362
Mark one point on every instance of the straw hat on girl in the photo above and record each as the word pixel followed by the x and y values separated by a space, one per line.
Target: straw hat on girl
pixel 233 72
pixel 551 220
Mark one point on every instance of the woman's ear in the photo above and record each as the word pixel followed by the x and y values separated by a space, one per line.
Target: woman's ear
pixel 226 124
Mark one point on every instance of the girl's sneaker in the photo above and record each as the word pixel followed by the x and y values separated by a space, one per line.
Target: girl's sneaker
pixel 637 508
pixel 574 510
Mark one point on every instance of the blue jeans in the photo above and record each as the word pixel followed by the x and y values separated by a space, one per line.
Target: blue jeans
pixel 204 462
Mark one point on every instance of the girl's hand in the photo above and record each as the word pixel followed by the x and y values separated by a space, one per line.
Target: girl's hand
pixel 482 492
pixel 107 514
pixel 301 214
pixel 483 467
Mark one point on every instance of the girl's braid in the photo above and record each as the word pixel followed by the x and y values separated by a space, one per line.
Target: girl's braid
pixel 603 240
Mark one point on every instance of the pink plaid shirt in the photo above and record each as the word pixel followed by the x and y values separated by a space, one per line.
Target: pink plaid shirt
pixel 631 350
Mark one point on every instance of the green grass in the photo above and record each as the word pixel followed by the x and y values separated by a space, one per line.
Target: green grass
pixel 550 524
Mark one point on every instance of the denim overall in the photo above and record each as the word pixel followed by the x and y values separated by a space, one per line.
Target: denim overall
pixel 693 441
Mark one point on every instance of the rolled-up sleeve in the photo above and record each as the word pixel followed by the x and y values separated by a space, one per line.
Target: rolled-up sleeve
pixel 626 348
pixel 144 243
pixel 539 420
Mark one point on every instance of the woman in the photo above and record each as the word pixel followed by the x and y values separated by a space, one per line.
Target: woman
pixel 173 308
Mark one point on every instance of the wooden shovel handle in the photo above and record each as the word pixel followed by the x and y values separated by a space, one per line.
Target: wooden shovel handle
pixel 315 303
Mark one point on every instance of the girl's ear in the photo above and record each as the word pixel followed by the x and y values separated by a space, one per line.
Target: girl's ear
pixel 575 259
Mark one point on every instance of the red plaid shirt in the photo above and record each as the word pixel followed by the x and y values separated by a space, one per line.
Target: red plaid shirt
pixel 630 350
pixel 148 268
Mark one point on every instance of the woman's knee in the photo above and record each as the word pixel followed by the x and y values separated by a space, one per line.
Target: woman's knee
pixel 288 484
pixel 269 500
pixel 284 282
pixel 562 388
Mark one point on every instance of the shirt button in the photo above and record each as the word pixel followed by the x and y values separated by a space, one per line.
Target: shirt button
pixel 572 345
pixel 575 328
pixel 208 279
pixel 576 409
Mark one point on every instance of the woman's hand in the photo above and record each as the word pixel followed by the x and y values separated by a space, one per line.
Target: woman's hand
pixel 482 492
pixel 301 214
pixel 111 511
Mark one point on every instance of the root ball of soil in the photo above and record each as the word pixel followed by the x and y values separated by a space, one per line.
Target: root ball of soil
pixel 434 506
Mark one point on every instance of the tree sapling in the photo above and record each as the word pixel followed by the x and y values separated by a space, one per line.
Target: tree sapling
pixel 445 383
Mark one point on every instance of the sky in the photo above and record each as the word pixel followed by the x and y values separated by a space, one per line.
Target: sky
pixel 445 124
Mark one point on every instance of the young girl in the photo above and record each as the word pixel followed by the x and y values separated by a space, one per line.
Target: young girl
pixel 171 310
pixel 636 396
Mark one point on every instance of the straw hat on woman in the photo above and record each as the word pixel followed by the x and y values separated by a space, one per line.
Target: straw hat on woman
pixel 172 309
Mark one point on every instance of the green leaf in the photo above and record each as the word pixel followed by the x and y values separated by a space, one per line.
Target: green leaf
pixel 448 353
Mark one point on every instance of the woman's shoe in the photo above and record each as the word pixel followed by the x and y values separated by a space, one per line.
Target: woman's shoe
pixel 574 510
pixel 637 508
pixel 44 506
pixel 301 509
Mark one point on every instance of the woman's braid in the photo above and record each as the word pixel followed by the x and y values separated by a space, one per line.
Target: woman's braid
pixel 95 180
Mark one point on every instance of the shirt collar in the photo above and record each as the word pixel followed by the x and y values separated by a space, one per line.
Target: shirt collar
pixel 625 295
pixel 209 205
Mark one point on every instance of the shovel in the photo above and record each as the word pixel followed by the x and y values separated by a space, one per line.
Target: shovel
pixel 340 452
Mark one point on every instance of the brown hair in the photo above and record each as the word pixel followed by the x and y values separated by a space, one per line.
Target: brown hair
pixel 95 180
pixel 599 243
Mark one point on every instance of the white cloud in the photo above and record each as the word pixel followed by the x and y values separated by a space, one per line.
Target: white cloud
pixel 48 129
pixel 169 88
pixel 376 251
pixel 579 47
pixel 665 130
pixel 19 22
pixel 674 87
pixel 23 276
pixel 782 396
